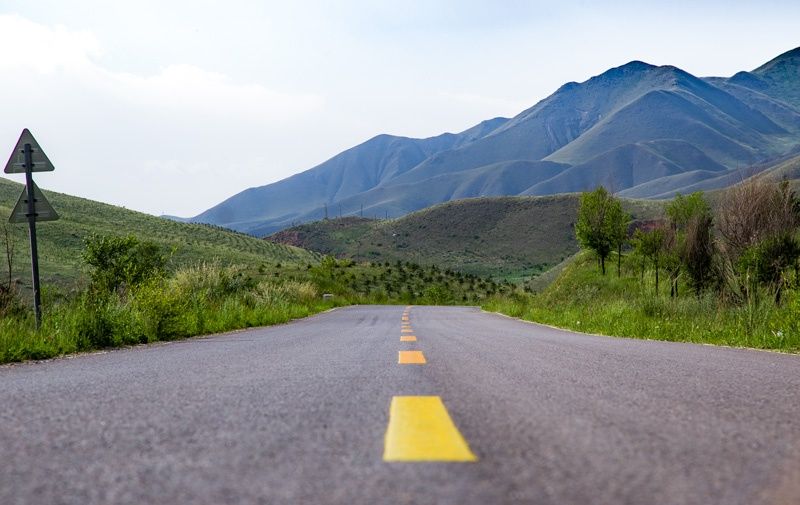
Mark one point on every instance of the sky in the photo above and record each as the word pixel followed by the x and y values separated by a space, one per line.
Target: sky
pixel 172 106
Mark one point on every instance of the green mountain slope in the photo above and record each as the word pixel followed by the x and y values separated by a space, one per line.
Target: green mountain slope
pixel 506 237
pixel 61 242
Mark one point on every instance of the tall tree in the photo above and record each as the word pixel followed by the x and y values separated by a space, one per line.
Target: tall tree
pixel 618 221
pixel 650 244
pixel 599 225
pixel 688 244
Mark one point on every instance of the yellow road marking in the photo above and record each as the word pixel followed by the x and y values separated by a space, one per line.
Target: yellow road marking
pixel 406 330
pixel 408 338
pixel 420 429
pixel 410 358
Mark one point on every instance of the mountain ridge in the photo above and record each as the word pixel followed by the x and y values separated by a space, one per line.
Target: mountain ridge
pixel 633 125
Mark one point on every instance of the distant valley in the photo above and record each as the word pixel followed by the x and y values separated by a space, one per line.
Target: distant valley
pixel 642 131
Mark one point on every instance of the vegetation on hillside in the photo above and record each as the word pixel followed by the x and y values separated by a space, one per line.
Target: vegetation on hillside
pixel 733 275
pixel 507 238
pixel 62 242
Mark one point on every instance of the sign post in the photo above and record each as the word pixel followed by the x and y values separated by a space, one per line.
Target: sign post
pixel 32 206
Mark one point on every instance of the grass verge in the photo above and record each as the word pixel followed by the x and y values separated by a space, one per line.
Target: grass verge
pixel 212 298
pixel 582 299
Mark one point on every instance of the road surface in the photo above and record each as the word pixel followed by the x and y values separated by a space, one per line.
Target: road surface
pixel 301 413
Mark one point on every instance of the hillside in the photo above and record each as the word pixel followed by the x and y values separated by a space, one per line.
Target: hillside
pixel 61 242
pixel 505 237
pixel 642 130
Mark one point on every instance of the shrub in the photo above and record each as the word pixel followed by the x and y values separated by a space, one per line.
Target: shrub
pixel 160 311
pixel 769 260
pixel 122 262
pixel 211 281
pixel 92 321
pixel 10 304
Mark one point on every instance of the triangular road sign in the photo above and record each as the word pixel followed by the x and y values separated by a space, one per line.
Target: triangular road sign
pixel 16 164
pixel 44 211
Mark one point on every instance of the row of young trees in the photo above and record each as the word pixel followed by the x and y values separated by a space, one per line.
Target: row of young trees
pixel 748 240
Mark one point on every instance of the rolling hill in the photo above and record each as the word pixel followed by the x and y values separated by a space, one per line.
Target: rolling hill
pixel 61 242
pixel 643 131
pixel 504 237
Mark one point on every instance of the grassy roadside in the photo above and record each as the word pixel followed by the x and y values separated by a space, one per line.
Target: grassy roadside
pixel 582 299
pixel 211 298
pixel 195 301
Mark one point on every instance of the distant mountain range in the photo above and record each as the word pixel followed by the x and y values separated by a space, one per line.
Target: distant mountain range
pixel 642 131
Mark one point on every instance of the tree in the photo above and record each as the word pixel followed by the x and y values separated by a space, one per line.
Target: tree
pixel 619 220
pixel 758 223
pixel 685 212
pixel 650 244
pixel 753 211
pixel 698 252
pixel 683 209
pixel 769 259
pixel 599 224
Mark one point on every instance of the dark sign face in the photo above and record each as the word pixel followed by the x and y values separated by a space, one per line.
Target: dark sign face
pixel 42 208
pixel 16 164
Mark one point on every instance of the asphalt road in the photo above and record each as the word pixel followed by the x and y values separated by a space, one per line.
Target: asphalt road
pixel 298 413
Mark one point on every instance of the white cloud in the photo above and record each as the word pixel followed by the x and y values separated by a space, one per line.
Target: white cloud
pixel 187 86
pixel 55 52
pixel 29 45
pixel 131 139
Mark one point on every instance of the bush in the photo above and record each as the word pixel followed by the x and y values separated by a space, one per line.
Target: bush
pixel 769 260
pixel 92 321
pixel 122 262
pixel 160 311
pixel 211 281
pixel 10 304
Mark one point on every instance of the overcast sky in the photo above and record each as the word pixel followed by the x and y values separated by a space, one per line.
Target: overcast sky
pixel 173 106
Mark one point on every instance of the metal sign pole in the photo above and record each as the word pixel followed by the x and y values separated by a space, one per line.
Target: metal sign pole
pixel 37 298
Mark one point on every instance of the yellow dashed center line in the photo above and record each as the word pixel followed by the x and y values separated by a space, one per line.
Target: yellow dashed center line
pixel 408 338
pixel 420 429
pixel 410 358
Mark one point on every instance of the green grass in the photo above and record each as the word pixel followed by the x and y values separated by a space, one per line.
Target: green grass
pixel 193 301
pixel 506 238
pixel 213 297
pixel 61 242
pixel 582 299
pixel 265 283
